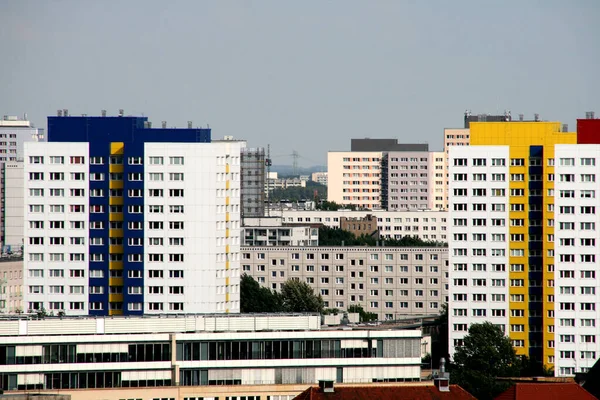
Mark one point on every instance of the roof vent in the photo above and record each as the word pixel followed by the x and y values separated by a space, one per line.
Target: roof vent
pixel 189 124
pixel 589 115
pixel 59 113
pixel 565 127
pixel 536 117
pixel 121 112
pixel 326 386
pixel 521 117
pixel 65 112
pixel 164 124
pixel 442 381
pixel 103 113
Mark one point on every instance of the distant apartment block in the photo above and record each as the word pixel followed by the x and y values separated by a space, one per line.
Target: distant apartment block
pixel 319 177
pixel 382 174
pixel 426 225
pixel 14 132
pixel 11 285
pixel 389 281
pixel 355 178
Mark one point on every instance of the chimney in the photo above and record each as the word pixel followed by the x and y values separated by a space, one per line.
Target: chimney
pixel 442 381
pixel 326 386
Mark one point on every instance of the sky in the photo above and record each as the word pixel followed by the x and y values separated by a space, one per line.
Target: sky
pixel 303 76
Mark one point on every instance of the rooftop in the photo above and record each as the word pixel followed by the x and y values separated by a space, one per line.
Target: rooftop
pixel 386 392
pixel 546 391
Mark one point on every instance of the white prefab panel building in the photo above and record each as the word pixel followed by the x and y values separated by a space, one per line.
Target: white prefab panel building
pixel 56 227
pixel 206 246
pixel 577 283
pixel 478 239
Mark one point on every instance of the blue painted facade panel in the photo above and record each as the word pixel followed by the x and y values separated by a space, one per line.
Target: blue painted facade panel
pixel 100 132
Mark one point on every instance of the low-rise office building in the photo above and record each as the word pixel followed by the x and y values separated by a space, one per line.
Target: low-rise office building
pixel 391 282
pixel 426 225
pixel 270 231
pixel 205 356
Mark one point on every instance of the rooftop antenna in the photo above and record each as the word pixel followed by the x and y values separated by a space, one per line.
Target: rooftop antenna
pixel 295 156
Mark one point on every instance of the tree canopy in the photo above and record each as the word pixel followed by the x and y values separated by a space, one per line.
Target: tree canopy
pixel 295 296
pixel 363 315
pixel 485 355
pixel 257 299
pixel 298 296
pixel 297 193
pixel 336 237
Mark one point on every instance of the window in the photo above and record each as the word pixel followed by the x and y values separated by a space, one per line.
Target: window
pixel 176 160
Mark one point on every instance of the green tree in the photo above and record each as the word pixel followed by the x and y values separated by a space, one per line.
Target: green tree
pixel 257 299
pixel 336 237
pixel 297 296
pixel 333 206
pixel 439 336
pixel 363 315
pixel 485 355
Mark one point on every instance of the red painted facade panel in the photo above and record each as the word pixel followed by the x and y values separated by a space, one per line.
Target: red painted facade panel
pixel 588 131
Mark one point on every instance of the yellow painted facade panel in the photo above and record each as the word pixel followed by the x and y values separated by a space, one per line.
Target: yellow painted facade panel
pixel 520 136
pixel 117 148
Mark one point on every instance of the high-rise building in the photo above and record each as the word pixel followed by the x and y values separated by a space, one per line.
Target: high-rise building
pixel 122 218
pixel 319 177
pixel 501 213
pixel 381 174
pixel 576 275
pixel 14 132
pixel 253 182
pixel 452 137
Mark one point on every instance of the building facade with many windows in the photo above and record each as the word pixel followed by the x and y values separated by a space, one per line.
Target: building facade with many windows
pixel 576 275
pixel 391 282
pixel 523 152
pixel 194 355
pixel 125 219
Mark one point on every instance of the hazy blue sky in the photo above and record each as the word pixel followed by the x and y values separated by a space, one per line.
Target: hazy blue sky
pixel 302 75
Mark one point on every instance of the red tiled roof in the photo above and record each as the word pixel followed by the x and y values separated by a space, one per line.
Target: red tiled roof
pixel 395 392
pixel 546 391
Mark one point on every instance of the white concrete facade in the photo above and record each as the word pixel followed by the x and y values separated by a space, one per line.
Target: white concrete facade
pixel 13 185
pixel 56 231
pixel 319 177
pixel 478 239
pixel 191 229
pixel 208 241
pixel 577 279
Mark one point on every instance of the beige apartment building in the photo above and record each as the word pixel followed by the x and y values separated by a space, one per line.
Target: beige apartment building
pixel 391 282
pixel 452 137
pixel 11 285
pixel 354 177
pixel 437 180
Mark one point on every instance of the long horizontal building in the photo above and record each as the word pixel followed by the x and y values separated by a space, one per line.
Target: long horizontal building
pixel 427 225
pixel 391 282
pixel 198 356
